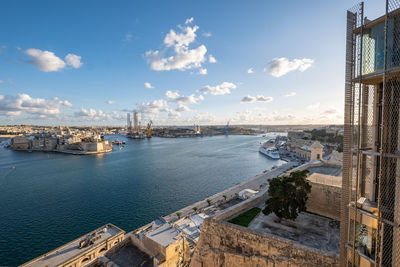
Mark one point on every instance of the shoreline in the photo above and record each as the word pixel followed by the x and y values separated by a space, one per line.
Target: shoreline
pixel 71 152
pixel 231 193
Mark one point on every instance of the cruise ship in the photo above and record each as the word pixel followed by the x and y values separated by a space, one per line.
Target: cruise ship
pixel 269 149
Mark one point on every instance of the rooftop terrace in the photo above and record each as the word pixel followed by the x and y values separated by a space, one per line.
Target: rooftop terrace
pixel 308 230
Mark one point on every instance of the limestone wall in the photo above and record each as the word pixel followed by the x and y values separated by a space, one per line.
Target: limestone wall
pixel 325 200
pixel 225 244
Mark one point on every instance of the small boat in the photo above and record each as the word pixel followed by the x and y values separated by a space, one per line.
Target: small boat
pixel 136 136
pixel 117 142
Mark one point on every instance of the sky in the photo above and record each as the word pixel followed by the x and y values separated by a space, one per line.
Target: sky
pixel 176 62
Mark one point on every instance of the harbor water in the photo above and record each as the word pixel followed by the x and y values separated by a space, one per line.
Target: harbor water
pixel 48 199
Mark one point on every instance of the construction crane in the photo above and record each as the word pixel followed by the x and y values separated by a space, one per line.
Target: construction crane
pixel 226 129
pixel 148 133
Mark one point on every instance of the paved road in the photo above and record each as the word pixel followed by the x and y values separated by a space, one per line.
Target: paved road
pixel 254 183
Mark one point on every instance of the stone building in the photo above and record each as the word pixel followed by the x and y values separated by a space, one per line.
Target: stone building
pixel 316 151
pixel 20 142
pixel 81 251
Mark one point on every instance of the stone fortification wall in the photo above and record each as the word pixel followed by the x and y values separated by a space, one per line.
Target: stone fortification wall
pixel 225 244
pixel 325 200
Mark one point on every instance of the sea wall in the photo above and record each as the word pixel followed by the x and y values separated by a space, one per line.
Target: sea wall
pixel 225 244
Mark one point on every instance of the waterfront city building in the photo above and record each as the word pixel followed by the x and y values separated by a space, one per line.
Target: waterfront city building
pixel 370 208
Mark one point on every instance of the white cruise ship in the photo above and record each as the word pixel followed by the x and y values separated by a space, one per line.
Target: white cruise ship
pixel 269 149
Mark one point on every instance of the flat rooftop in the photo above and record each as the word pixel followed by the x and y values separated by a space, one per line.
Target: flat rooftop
pixel 325 179
pixel 72 249
pixel 326 169
pixel 308 230
pixel 164 235
pixel 191 226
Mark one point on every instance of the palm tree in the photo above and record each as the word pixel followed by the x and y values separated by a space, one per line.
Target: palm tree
pixel 209 202
pixel 195 209
pixel 179 215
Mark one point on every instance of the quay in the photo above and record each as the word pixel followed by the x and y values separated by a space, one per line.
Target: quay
pixel 164 242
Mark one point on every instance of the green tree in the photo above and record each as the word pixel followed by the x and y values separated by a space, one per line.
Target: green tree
pixel 195 209
pixel 224 196
pixel 209 202
pixel 288 195
pixel 178 214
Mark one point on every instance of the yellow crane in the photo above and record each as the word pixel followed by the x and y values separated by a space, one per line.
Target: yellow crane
pixel 148 133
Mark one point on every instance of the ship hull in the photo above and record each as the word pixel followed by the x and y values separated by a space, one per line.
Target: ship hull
pixel 271 155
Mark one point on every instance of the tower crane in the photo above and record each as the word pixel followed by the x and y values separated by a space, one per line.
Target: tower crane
pixel 148 128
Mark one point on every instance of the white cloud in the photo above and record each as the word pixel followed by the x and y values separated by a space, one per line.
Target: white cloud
pixel 314 106
pixel 3 49
pixel 207 34
pixel 183 39
pixel 172 113
pixel 220 89
pixel 202 71
pixel 182 57
pixel 47 61
pixel 284 118
pixel 110 102
pixel 259 98
pixel 18 48
pixel 250 71
pixel 204 118
pixel 128 37
pixel 212 59
pixel 170 94
pixel 117 116
pixel 188 21
pixel 95 115
pixel 148 85
pixel 15 105
pixel 182 60
pixel 1 81
pixel 182 108
pixel 190 99
pixel 278 67
pixel 290 94
pixel 73 61
pixel 330 112
pixel 153 107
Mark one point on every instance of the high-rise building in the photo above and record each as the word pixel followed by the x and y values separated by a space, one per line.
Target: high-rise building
pixel 136 120
pixel 370 212
pixel 128 122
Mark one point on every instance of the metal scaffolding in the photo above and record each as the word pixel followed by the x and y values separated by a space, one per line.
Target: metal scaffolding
pixel 370 212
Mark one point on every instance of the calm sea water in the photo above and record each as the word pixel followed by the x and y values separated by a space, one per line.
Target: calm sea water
pixel 48 199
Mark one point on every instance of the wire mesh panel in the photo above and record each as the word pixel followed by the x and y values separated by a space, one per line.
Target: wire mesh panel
pixel 393 5
pixel 354 20
pixel 389 178
pixel 371 160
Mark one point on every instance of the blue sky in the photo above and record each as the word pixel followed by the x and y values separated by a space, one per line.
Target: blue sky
pixel 88 62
